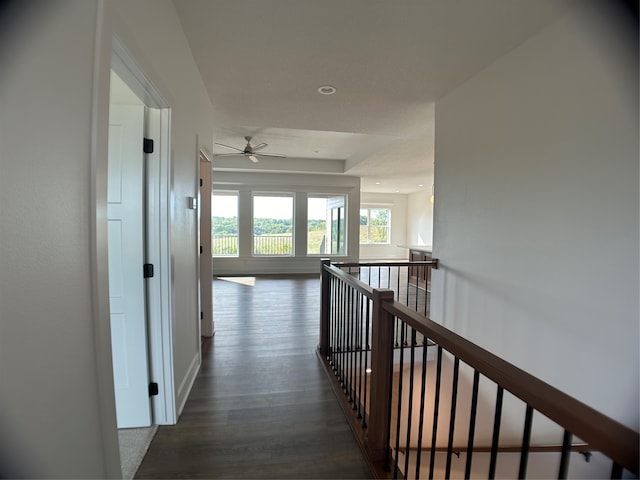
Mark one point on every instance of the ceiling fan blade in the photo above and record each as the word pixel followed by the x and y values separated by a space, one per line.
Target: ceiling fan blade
pixel 273 155
pixel 240 153
pixel 260 146
pixel 253 158
pixel 228 146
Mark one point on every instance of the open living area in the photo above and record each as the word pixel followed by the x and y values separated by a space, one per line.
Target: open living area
pixel 304 239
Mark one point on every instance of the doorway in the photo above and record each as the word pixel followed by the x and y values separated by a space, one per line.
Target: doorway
pixel 149 352
pixel 207 327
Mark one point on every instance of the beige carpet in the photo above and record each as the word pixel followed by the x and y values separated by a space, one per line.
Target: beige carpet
pixel 134 443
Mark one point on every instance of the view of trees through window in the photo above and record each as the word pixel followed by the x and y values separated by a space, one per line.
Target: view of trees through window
pixel 375 225
pixel 224 224
pixel 272 225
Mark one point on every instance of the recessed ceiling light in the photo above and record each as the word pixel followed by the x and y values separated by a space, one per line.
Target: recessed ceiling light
pixel 421 185
pixel 377 183
pixel 327 90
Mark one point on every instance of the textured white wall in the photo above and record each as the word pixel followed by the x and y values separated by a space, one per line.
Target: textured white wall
pixel 56 389
pixel 50 396
pixel 419 218
pixel 536 215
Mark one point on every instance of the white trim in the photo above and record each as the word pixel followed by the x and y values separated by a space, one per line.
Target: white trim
pixel 158 235
pixel 187 383
pixel 123 63
pixel 98 232
pixel 158 253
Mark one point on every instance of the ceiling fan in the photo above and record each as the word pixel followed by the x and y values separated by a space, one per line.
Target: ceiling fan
pixel 248 151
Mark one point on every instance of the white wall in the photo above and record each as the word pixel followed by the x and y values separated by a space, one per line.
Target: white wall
pixel 398 205
pixel 419 218
pixel 300 185
pixel 56 389
pixel 50 393
pixel 536 213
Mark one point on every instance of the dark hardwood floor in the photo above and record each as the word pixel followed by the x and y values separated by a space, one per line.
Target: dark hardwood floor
pixel 261 406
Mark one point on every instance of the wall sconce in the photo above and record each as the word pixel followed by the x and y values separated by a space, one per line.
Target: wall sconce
pixel 432 198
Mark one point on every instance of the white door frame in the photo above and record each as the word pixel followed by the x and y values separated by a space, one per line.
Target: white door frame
pixel 205 273
pixel 158 232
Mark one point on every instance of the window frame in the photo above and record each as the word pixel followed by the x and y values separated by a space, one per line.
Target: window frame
pixel 292 196
pixel 226 193
pixel 368 226
pixel 343 225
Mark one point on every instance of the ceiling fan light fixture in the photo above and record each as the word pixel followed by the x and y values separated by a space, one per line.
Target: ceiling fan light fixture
pixel 327 90
pixel 253 158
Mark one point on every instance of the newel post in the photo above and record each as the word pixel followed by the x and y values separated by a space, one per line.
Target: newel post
pixel 325 299
pixel 381 377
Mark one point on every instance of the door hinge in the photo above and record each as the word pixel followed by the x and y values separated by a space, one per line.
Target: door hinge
pixel 201 315
pixel 153 389
pixel 201 183
pixel 201 250
pixel 148 270
pixel 147 145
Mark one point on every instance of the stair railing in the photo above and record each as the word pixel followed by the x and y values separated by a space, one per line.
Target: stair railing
pixel 440 406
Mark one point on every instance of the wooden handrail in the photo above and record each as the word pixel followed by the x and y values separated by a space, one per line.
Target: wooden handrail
pixel 405 263
pixel 604 434
pixel 353 282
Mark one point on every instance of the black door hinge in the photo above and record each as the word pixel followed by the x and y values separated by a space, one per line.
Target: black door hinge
pixel 153 389
pixel 147 145
pixel 201 315
pixel 201 250
pixel 148 270
pixel 201 183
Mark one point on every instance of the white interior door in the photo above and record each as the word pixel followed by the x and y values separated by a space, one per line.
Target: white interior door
pixel 126 214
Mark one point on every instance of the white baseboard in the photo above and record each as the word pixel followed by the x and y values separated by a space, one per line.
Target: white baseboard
pixel 187 382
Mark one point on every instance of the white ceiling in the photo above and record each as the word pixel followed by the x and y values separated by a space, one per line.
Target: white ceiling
pixel 262 62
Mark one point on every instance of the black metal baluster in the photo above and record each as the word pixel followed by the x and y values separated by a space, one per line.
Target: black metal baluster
pixel 526 441
pixel 366 360
pixel 417 290
pixel 349 366
pixel 412 364
pixel 359 346
pixel 334 324
pixel 426 293
pixel 423 390
pixel 397 334
pixel 564 456
pixel 387 462
pixel 399 411
pixel 452 417
pixel 472 422
pixel 356 371
pixel 496 433
pixel 616 471
pixel 436 407
pixel 342 333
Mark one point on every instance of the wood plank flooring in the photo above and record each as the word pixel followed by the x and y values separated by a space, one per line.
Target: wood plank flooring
pixel 261 406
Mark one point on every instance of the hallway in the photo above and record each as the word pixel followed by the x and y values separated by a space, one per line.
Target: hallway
pixel 261 406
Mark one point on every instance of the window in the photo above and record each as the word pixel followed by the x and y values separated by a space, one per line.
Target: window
pixel 273 224
pixel 224 224
pixel 375 226
pixel 326 225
